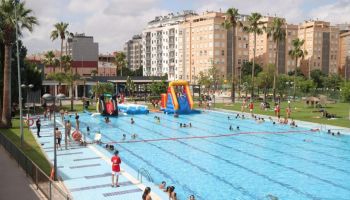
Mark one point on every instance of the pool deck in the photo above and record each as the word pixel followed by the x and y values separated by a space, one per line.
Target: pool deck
pixel 86 171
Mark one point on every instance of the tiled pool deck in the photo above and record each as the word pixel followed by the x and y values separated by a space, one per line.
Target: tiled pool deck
pixel 86 171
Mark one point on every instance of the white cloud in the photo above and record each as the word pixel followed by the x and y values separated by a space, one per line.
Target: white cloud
pixel 337 12
pixel 86 6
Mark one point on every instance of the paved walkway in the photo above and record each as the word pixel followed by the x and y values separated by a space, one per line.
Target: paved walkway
pixel 13 182
pixel 86 171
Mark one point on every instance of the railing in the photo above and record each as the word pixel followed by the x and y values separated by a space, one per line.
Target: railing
pixel 142 172
pixel 43 183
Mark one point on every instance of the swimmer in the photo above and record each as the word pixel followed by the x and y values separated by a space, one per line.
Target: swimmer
pixel 237 128
pixel 305 140
pixel 329 131
pixel 338 133
pixel 132 121
pixel 190 124
pixel 237 116
pixel 273 123
pixel 124 137
pixel 230 128
pixel 228 117
pixel 332 133
pixel 184 125
pixel 243 117
pixel 162 185
pixel 88 130
pixel 180 125
pixel 134 136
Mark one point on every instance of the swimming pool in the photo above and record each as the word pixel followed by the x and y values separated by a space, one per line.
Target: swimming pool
pixel 213 163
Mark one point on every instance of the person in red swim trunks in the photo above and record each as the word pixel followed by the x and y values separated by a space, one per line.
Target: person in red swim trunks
pixel 115 167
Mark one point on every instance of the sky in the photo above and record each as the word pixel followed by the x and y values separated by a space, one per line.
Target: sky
pixel 113 22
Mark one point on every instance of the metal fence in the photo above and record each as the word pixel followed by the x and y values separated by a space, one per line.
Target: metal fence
pixel 43 183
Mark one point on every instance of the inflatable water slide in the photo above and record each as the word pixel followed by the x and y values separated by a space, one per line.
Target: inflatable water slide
pixel 178 98
pixel 107 105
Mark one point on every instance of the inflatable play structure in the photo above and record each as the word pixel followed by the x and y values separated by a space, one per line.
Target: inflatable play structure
pixel 107 105
pixel 178 98
pixel 133 109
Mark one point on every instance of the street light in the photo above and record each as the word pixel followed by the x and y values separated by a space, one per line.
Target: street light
pixel 28 87
pixel 50 97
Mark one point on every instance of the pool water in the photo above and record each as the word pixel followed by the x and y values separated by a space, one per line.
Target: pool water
pixel 259 161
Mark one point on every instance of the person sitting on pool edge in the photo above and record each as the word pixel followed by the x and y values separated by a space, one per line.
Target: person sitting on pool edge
pixel 162 185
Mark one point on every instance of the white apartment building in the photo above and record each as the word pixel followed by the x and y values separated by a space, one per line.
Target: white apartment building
pixel 160 46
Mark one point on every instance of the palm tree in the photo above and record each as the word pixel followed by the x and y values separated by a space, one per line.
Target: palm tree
pixel 255 26
pixel 297 53
pixel 278 34
pixel 61 32
pixel 71 80
pixel 25 20
pixel 231 22
pixel 67 63
pixel 50 60
pixel 120 62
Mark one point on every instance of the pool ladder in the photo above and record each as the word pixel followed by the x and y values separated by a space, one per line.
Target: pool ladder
pixel 142 172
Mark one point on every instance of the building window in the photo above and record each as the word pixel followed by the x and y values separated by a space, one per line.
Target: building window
pixel 222 52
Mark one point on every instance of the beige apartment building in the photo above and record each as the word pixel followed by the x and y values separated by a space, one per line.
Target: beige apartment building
pixel 133 52
pixel 344 53
pixel 322 46
pixel 266 47
pixel 203 42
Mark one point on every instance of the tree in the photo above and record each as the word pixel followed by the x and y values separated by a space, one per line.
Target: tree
pixel 333 81
pixel 306 85
pixel 102 88
pixel 130 86
pixel 247 69
pixel 158 88
pixel 25 20
pixel 265 79
pixel 255 26
pixel 296 53
pixel 278 34
pixel 317 76
pixel 282 84
pixel 71 80
pixel 61 32
pixel 203 80
pixel 32 75
pixel 299 73
pixel 345 92
pixel 50 61
pixel 120 62
pixel 231 22
pixel 94 72
pixel 67 64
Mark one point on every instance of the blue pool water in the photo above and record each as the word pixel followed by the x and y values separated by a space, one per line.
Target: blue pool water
pixel 214 163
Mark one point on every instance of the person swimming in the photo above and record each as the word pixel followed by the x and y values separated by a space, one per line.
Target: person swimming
pixel 124 137
pixel 230 128
pixel 228 117
pixel 180 125
pixel 190 124
pixel 329 131
pixel 338 133
pixel 237 128
pixel 134 136
pixel 132 121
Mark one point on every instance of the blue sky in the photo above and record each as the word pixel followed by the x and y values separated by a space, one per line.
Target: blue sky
pixel 113 22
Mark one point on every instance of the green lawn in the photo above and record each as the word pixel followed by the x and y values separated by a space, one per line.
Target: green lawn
pixel 301 111
pixel 30 147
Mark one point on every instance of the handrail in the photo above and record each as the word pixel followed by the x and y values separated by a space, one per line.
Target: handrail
pixel 143 172
pixel 32 170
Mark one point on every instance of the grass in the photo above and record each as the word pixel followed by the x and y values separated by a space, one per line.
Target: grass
pixel 30 147
pixel 300 111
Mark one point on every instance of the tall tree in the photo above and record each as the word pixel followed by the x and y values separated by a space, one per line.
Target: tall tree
pixel 71 80
pixel 231 22
pixel 50 61
pixel 296 53
pixel 120 62
pixel 278 34
pixel 60 31
pixel 255 27
pixel 25 20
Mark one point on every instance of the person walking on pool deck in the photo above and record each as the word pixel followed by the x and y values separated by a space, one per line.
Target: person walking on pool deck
pixel 58 136
pixel 38 125
pixel 115 167
pixel 147 194
pixel 77 121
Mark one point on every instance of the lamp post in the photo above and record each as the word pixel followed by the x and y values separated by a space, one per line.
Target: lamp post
pixel 49 97
pixel 28 87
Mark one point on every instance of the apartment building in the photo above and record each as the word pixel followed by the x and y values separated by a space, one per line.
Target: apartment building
pixel 84 53
pixel 266 47
pixel 160 45
pixel 206 43
pixel 133 52
pixel 344 50
pixel 322 46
